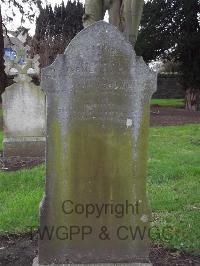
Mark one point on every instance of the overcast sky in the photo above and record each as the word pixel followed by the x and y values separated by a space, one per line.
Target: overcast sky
pixel 17 18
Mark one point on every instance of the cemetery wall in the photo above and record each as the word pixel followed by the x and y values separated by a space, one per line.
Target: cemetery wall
pixel 169 87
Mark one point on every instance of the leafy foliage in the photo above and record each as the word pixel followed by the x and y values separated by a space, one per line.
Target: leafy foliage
pixel 158 28
pixel 164 25
pixel 170 29
pixel 55 28
pixel 188 44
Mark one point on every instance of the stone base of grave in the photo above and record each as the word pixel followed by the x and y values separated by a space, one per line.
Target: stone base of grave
pixel 24 146
pixel 35 263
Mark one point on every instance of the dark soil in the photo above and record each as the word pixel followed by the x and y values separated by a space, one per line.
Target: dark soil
pixel 20 250
pixel 17 250
pixel 165 116
pixel 162 256
pixel 18 163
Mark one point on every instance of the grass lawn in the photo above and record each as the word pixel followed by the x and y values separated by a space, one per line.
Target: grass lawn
pixel 168 102
pixel 1 140
pixel 173 185
pixel 20 194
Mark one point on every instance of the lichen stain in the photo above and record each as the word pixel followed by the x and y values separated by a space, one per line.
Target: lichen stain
pixel 98 168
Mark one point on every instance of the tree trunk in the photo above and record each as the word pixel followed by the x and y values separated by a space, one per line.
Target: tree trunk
pixel 192 99
pixel 2 67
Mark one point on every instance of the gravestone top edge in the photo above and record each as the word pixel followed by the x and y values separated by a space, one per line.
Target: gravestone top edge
pixel 153 76
pixel 112 33
pixel 100 25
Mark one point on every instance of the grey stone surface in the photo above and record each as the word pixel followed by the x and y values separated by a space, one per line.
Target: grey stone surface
pixel 24 147
pixel 98 96
pixel 24 118
pixel 35 263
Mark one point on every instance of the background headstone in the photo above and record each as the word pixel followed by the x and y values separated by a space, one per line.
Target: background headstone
pixel 24 119
pixel 170 86
pixel 24 108
pixel 98 97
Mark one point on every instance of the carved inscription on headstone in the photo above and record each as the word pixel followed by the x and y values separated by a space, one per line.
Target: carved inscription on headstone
pixel 98 96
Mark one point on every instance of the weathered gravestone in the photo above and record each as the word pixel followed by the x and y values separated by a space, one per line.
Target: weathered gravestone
pixel 24 119
pixel 98 96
